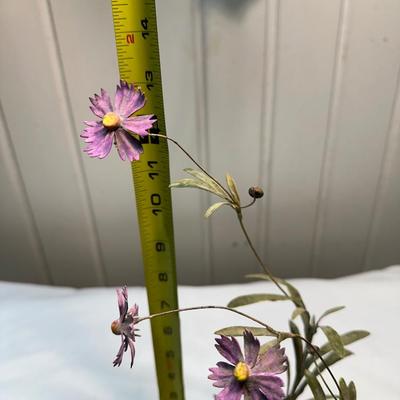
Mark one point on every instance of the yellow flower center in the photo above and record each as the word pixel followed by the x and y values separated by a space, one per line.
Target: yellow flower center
pixel 111 120
pixel 115 327
pixel 241 371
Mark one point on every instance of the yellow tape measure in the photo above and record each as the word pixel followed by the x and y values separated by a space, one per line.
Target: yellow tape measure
pixel 135 27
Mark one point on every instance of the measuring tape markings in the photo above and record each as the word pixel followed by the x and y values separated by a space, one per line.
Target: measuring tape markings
pixel 138 59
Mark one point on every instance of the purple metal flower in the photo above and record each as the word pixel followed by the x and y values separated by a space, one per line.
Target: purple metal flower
pixel 125 326
pixel 117 125
pixel 253 375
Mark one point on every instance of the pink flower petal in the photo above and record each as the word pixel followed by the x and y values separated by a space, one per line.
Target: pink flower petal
pixel 272 361
pixel 100 143
pixel 94 131
pixel 118 358
pixel 232 392
pixel 128 147
pixel 251 348
pixel 128 99
pixel 229 348
pixel 101 104
pixel 132 348
pixel 139 125
pixel 223 374
pixel 122 296
pixel 134 311
pixel 270 386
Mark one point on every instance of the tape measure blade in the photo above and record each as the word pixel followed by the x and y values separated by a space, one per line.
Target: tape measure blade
pixel 135 26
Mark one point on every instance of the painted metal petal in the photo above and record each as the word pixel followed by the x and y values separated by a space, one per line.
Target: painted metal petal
pixel 232 392
pixel 92 130
pixel 255 394
pixel 92 123
pixel 118 358
pixel 269 385
pixel 272 361
pixel 221 382
pixel 101 104
pixel 139 125
pixel 229 348
pixel 251 348
pixel 128 99
pixel 223 374
pixel 134 311
pixel 132 348
pixel 99 140
pixel 122 295
pixel 128 147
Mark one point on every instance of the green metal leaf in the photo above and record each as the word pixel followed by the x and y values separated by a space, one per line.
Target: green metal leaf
pixel 333 358
pixel 331 311
pixel 294 293
pixel 334 340
pixel 346 338
pixel 347 392
pixel 238 331
pixel 330 359
pixel 314 385
pixel 214 187
pixel 192 183
pixel 256 298
pixel 352 391
pixel 233 189
pixel 297 311
pixel 344 391
pixel 215 207
pixel 298 349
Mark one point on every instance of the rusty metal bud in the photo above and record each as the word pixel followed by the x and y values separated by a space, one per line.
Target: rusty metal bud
pixel 256 192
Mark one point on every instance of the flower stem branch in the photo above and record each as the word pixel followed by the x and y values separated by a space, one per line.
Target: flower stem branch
pixel 323 379
pixel 263 266
pixel 178 310
pixel 193 160
pixel 249 205
pixel 315 350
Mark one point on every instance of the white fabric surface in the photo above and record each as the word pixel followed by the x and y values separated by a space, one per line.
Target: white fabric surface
pixel 55 343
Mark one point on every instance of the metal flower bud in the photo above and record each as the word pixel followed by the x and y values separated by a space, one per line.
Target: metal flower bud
pixel 256 192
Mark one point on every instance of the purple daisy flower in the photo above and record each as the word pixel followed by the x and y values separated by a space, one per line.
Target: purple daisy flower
pixel 117 125
pixel 253 375
pixel 125 326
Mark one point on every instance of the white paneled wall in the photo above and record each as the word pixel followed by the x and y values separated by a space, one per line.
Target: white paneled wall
pixel 300 96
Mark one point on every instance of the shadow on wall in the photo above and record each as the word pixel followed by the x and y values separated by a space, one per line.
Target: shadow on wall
pixel 232 8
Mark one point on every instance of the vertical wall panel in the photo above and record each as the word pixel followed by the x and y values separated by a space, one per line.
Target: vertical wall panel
pixel 307 33
pixel 369 83
pixel 35 108
pixel 234 51
pixel 21 251
pixel 382 247
pixel 270 68
pixel 181 42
